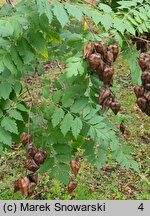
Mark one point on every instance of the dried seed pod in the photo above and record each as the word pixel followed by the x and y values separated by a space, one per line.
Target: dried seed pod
pixel 94 61
pixel 99 48
pixel 139 91
pixel 147 86
pixel 25 138
pixel 122 127
pixel 44 153
pixel 31 188
pixel 102 96
pixel 106 104
pixel 72 185
pixel 115 50
pixel 115 106
pixel 142 103
pixel 22 185
pixel 147 111
pixel 31 165
pixel 33 177
pixel 112 95
pixel 108 75
pixel 87 50
pixel 31 150
pixel 75 166
pixel 145 78
pixel 144 61
pixel 40 157
pixel 109 58
pixel 100 69
pixel 147 96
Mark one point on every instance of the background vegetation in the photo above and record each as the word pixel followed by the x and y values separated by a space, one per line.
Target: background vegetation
pixel 41 62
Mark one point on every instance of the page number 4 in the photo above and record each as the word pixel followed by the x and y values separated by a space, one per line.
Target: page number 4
pixel 141 207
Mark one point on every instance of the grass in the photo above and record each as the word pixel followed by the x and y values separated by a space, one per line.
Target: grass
pixel 112 182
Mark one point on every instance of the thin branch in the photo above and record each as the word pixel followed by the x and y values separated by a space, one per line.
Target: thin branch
pixel 142 39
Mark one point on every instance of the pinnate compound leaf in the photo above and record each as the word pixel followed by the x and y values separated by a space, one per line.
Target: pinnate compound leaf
pixel 66 123
pixel 57 116
pixel 76 127
pixel 9 125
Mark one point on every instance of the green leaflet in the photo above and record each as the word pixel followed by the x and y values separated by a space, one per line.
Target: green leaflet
pixel 101 157
pixel 16 115
pixel 62 149
pixel 57 96
pixel 126 4
pixel 61 171
pixel 129 27
pixel 106 21
pixel 66 123
pixel 5 137
pixel 6 29
pixel 21 107
pixel 60 14
pixel 9 125
pixel 74 68
pixel 119 25
pixel 48 164
pixel 37 40
pixel 135 68
pixel 5 90
pixel 76 127
pixel 25 50
pixel 106 8
pixel 57 116
pixel 44 8
pixel 96 16
pixel 8 62
pixel 1 113
pixel 89 151
pixel 72 9
pixel 79 105
pixel 16 58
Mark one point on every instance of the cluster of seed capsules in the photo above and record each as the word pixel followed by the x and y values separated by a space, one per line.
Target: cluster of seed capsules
pixel 143 92
pixel 101 60
pixel 35 157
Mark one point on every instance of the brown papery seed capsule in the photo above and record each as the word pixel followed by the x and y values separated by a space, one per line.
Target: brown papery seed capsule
pixel 139 91
pixel 94 61
pixel 87 50
pixel 142 103
pixel 115 106
pixel 31 165
pixel 39 157
pixel 72 185
pixel 115 50
pixel 31 150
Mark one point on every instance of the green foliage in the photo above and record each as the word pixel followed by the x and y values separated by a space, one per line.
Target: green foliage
pixel 37 30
